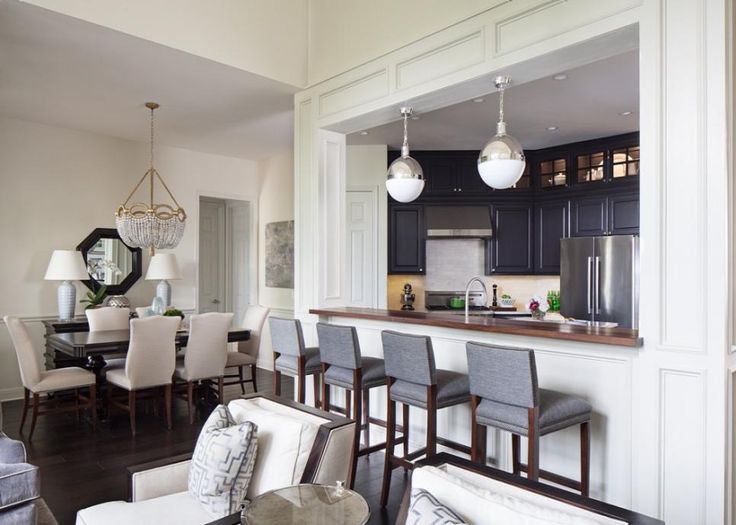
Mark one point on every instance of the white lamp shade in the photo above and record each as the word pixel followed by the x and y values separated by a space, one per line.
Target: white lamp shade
pixel 66 265
pixel 405 190
pixel 501 173
pixel 163 266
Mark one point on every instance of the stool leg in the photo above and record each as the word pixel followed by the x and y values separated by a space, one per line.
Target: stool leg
pixel 276 376
pixel 533 438
pixel 585 458
pixel 366 417
pixel 347 403
pixel 358 417
pixel 405 423
pixel 516 453
pixel 315 386
pixel 390 428
pixel 431 420
pixel 301 378
pixel 325 390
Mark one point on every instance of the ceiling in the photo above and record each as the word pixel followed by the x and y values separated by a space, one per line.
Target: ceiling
pixel 62 71
pixel 587 104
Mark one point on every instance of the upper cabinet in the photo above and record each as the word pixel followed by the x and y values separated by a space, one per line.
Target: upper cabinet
pixel 406 238
pixel 509 251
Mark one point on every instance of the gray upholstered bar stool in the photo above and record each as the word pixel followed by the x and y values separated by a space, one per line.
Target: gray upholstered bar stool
pixel 413 380
pixel 505 395
pixel 291 356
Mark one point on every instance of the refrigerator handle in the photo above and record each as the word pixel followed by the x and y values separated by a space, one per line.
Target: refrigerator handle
pixel 597 290
pixel 590 264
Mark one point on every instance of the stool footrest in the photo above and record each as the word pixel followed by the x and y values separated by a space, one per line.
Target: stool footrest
pixel 555 478
pixel 453 445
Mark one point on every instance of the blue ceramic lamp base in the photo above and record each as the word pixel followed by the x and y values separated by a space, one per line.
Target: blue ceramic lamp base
pixel 66 297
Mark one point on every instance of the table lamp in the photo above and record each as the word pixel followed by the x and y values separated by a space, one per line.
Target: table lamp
pixel 163 266
pixel 66 266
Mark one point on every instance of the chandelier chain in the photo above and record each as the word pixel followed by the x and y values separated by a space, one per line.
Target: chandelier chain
pixel 500 106
pixel 151 165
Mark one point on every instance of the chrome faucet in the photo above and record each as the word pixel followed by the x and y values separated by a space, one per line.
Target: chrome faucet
pixel 467 294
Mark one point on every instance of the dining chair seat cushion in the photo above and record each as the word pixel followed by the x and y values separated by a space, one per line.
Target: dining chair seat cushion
pixel 556 411
pixel 222 463
pixel 63 378
pixel 240 359
pixel 19 483
pixel 180 508
pixel 373 374
pixel 452 389
pixel 117 377
pixel 288 363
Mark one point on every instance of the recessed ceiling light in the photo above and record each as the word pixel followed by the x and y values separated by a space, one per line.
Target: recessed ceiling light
pixel 364 132
pixel 625 113
pixel 552 128
pixel 478 100
pixel 561 76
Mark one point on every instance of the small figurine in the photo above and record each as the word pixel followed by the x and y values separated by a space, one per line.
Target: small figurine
pixel 407 298
pixel 494 303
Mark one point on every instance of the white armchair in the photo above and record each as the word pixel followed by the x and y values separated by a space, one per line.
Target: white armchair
pixel 296 444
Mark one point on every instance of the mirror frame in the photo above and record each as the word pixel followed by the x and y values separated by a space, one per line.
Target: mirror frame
pixel 137 263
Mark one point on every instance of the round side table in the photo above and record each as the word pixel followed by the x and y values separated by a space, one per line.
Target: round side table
pixel 307 504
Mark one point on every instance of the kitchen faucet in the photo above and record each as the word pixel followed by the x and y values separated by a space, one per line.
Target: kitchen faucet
pixel 467 294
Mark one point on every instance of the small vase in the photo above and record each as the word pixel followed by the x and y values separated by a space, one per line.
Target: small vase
pixel 538 315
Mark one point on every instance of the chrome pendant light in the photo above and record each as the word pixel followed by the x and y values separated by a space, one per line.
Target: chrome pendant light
pixel 501 161
pixel 405 180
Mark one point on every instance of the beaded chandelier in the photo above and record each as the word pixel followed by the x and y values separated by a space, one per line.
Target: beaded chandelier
pixel 150 225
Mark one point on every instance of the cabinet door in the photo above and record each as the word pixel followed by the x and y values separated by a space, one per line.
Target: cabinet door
pixel 511 245
pixel 468 178
pixel 623 214
pixel 589 216
pixel 440 172
pixel 406 239
pixel 552 224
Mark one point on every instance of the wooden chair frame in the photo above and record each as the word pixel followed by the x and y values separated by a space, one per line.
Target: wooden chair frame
pixel 87 402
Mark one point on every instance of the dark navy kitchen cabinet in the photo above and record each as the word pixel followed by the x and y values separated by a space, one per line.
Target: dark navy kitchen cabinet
pixel 623 214
pixel 510 249
pixel 552 223
pixel 589 216
pixel 406 236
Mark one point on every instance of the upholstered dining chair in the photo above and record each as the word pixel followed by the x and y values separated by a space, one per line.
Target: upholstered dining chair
pixel 149 364
pixel 206 354
pixel 247 351
pixel 37 381
pixel 109 318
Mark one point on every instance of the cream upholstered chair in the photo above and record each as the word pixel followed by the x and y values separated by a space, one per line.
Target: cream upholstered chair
pixel 109 318
pixel 149 364
pixel 37 382
pixel 247 352
pixel 206 354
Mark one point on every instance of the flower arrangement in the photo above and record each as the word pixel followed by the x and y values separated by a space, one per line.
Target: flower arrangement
pixel 538 306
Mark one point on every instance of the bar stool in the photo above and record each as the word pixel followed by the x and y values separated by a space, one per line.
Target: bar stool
pixel 413 380
pixel 343 366
pixel 505 395
pixel 291 356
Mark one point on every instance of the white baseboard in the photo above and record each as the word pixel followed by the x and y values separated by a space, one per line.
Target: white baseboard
pixel 11 394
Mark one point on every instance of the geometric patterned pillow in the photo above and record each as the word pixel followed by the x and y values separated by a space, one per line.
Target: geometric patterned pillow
pixel 424 509
pixel 222 464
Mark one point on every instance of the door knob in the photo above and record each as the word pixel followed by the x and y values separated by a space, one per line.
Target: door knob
pixel 215 301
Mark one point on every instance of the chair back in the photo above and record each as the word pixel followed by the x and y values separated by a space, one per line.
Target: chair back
pixel 108 318
pixel 206 354
pixel 502 374
pixel 151 355
pixel 409 357
pixel 287 337
pixel 29 361
pixel 338 345
pixel 255 317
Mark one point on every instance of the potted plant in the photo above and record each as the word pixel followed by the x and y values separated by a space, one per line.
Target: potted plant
pixel 174 312
pixel 538 307
pixel 95 299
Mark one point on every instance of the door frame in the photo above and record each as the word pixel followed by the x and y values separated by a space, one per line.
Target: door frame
pixel 373 190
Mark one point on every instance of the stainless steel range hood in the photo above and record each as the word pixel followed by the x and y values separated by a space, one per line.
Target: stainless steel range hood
pixel 458 222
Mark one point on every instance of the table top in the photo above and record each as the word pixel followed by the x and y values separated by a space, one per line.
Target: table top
pixel 308 504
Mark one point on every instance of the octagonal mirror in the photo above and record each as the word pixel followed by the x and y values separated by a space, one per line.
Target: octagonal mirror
pixel 110 261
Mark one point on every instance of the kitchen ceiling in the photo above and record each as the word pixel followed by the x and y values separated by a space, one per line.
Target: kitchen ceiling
pixel 590 102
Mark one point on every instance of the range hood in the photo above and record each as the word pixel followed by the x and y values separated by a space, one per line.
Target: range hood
pixel 458 222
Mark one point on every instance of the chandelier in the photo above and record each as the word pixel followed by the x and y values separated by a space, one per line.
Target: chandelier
pixel 405 180
pixel 151 225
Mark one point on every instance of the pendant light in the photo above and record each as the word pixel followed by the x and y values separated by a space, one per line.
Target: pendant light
pixel 405 176
pixel 501 161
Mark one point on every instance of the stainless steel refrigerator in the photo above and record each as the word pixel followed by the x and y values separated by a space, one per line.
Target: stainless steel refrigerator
pixel 599 279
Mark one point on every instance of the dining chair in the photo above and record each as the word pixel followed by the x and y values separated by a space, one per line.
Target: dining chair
pixel 247 351
pixel 37 381
pixel 292 356
pixel 149 364
pixel 109 318
pixel 206 354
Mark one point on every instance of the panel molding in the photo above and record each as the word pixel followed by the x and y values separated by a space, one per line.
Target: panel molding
pixel 369 87
pixel 332 218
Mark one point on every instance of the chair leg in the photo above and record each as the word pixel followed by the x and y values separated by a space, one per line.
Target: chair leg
pixel 131 410
pixel 36 402
pixel 533 438
pixel 325 388
pixel 26 405
pixel 167 399
pixel 358 417
pixel 242 382
pixel 221 390
pixel 301 378
pixel 93 405
pixel 516 453
pixel 190 401
pixel 390 428
pixel 315 386
pixel 276 376
pixel 76 403
pixel 405 423
pixel 478 435
pixel 254 377
pixel 585 458
pixel 348 402
pixel 108 399
pixel 431 420
pixel 366 418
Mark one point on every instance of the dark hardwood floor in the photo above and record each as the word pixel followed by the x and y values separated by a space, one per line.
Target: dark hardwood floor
pixel 80 468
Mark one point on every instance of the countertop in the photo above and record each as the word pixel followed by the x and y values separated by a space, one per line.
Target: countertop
pixel 485 323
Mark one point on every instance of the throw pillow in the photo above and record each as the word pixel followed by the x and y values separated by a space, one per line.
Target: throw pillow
pixel 222 464
pixel 424 509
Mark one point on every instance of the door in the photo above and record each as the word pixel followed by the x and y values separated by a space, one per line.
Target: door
pixel 407 239
pixel 623 214
pixel 211 256
pixel 589 216
pixel 511 244
pixel 615 286
pixel 552 225
pixel 361 249
pixel 238 247
pixel 576 277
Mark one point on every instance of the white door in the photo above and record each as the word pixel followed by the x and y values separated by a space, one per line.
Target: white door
pixel 211 256
pixel 238 220
pixel 361 251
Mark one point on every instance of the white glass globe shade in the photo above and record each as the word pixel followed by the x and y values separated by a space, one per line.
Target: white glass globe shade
pixel 405 180
pixel 501 162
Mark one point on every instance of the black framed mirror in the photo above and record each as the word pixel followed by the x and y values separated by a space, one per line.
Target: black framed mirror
pixel 110 261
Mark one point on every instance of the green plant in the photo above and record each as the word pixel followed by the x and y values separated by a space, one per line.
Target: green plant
pixel 174 312
pixel 505 296
pixel 95 299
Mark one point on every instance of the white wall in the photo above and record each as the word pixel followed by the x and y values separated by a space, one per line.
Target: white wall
pixel 57 185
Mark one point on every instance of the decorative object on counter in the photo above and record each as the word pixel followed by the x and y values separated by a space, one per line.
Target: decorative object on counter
pixel 405 180
pixel 116 301
pixel 501 161
pixel 163 266
pixel 407 298
pixel 494 301
pixel 66 266
pixel 157 306
pixel 457 303
pixel 95 299
pixel 506 301
pixel 280 254
pixel 151 225
pixel 174 312
pixel 538 307
pixel 553 298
